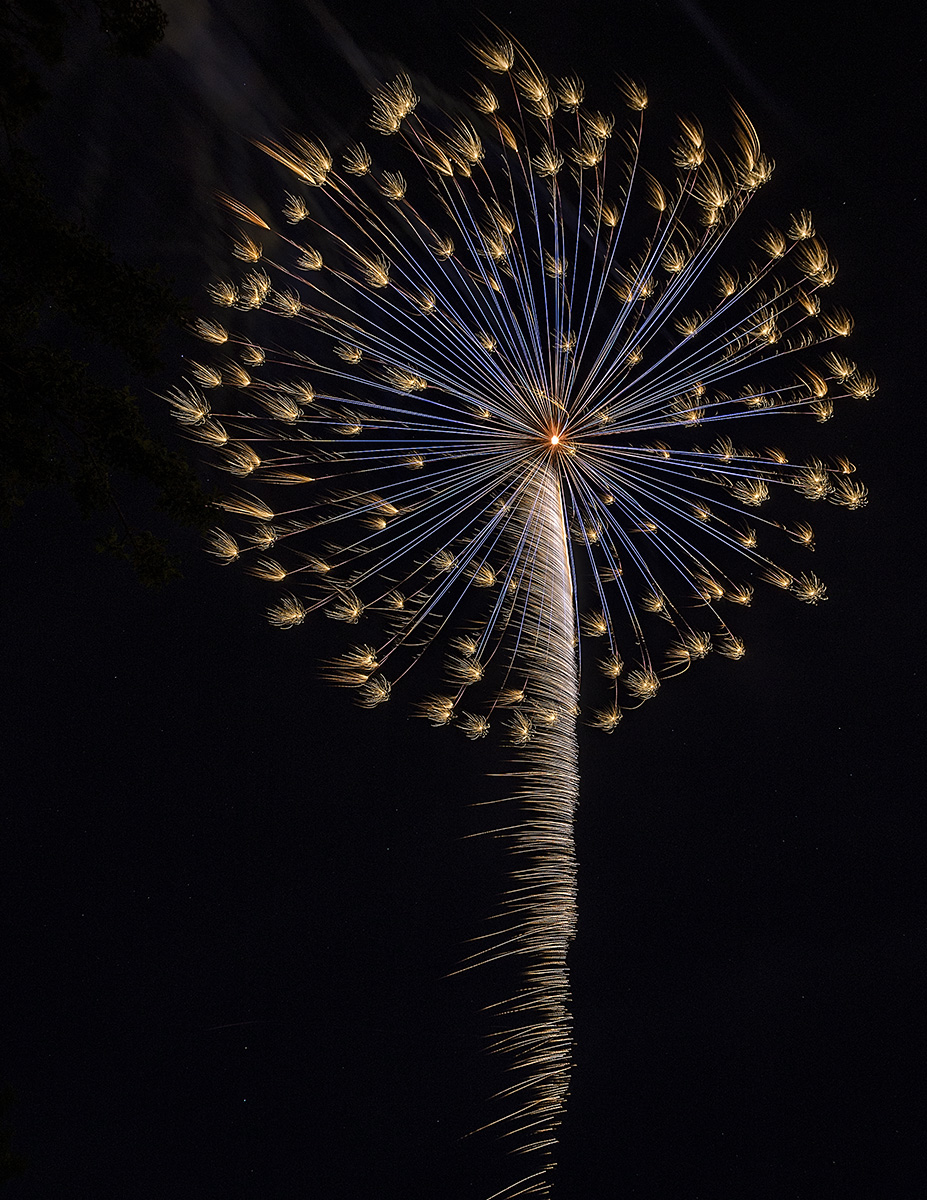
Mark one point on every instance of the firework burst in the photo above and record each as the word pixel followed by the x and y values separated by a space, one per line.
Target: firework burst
pixel 503 434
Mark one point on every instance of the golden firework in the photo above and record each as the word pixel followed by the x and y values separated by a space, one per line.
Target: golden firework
pixel 523 389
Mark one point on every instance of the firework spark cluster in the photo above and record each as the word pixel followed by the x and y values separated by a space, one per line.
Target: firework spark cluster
pixel 500 441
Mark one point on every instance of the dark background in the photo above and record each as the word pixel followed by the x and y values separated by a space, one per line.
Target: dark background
pixel 232 898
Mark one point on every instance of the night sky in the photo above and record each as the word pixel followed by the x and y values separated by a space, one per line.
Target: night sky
pixel 233 899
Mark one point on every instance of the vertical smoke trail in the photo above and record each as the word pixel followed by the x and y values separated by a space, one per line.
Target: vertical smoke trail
pixel 537 917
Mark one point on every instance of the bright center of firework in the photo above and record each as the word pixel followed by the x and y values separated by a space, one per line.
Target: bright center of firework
pixel 555 439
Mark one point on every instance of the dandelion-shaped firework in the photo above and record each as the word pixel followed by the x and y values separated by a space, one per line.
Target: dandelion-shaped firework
pixel 501 442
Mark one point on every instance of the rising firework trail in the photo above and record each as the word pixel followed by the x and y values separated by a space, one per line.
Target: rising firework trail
pixel 498 446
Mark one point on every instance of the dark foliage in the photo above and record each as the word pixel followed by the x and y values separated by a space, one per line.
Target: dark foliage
pixel 75 319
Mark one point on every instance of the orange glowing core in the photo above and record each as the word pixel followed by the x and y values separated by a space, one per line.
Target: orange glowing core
pixel 555 439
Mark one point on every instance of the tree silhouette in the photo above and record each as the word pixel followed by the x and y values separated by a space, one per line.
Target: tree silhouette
pixel 63 423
